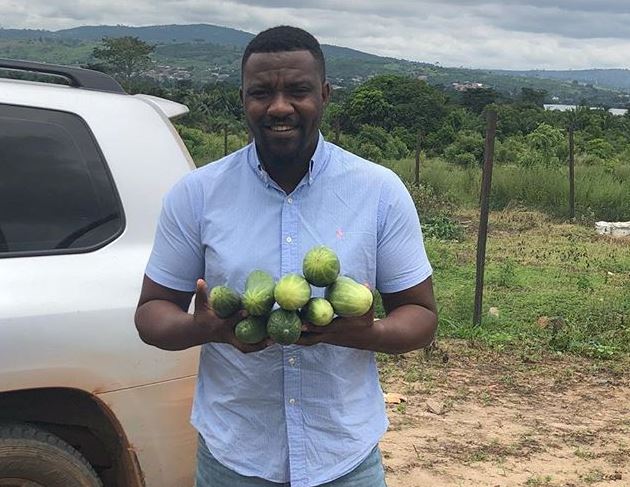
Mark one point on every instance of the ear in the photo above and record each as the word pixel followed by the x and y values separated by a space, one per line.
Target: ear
pixel 326 89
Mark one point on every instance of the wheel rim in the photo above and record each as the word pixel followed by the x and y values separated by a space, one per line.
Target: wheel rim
pixel 19 483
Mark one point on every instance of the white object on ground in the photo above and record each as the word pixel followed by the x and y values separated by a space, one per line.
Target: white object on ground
pixel 614 229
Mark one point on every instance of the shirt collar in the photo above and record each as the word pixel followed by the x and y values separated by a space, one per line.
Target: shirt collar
pixel 318 162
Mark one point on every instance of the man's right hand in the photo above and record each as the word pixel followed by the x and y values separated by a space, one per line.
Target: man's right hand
pixel 220 330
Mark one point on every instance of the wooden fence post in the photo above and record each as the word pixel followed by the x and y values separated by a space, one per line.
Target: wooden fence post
pixel 418 140
pixel 482 237
pixel 571 174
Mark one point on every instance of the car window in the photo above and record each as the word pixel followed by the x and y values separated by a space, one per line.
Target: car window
pixel 56 193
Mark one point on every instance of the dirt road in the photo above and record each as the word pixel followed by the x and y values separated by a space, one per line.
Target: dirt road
pixel 476 418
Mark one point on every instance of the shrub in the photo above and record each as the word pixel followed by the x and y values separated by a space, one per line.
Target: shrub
pixel 466 149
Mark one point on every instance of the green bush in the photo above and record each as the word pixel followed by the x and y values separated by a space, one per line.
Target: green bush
pixel 466 149
pixel 374 144
pixel 442 227
pixel 206 147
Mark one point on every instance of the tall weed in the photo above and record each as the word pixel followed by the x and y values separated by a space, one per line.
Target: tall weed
pixel 601 193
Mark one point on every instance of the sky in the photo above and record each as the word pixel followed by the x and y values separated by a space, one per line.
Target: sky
pixel 496 34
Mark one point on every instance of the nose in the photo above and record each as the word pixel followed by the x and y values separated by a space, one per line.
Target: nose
pixel 280 106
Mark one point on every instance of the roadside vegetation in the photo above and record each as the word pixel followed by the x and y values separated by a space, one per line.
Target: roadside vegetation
pixel 555 286
pixel 552 285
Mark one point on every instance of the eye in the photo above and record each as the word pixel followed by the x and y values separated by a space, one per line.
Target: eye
pixel 300 91
pixel 258 93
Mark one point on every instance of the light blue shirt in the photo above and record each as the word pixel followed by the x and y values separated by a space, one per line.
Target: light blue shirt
pixel 307 415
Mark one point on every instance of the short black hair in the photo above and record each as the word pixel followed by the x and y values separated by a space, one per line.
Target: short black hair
pixel 285 38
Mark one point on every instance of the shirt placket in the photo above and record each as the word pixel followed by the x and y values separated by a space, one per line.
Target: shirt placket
pixel 291 356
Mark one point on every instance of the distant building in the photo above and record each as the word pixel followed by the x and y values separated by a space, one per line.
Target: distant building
pixel 468 85
pixel 169 73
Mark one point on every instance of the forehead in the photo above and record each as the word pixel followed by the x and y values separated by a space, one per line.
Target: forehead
pixel 263 65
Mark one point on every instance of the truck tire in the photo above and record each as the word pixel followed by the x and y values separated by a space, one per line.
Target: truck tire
pixel 33 457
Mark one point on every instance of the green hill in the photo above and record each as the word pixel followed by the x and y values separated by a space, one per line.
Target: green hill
pixel 611 78
pixel 204 53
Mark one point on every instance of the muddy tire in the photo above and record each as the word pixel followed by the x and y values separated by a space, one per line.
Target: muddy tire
pixel 33 457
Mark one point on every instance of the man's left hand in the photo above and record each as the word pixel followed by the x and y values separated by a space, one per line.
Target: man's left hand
pixel 341 329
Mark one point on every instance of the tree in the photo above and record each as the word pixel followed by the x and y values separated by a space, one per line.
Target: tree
pixel 546 146
pixel 531 96
pixel 126 57
pixel 466 149
pixel 476 99
pixel 334 118
pixel 368 106
pixel 397 104
pixel 410 103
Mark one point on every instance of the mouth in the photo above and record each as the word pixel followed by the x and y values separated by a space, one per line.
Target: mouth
pixel 281 128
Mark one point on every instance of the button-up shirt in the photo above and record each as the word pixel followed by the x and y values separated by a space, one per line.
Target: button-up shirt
pixel 305 415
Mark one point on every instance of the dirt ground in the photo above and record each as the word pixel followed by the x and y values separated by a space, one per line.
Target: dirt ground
pixel 478 418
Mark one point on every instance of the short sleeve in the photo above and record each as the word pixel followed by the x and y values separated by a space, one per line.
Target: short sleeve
pixel 176 260
pixel 401 260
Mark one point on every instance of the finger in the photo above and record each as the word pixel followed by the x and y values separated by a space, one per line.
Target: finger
pixel 308 339
pixel 237 317
pixel 310 328
pixel 334 326
pixel 201 294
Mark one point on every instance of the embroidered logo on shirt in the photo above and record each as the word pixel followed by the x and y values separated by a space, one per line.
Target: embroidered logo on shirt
pixel 339 233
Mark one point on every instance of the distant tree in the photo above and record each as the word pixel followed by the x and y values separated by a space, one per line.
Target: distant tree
pixel 466 149
pixel 396 103
pixel 546 146
pixel 368 106
pixel 458 119
pixel 411 103
pixel 531 96
pixel 518 119
pixel 334 120
pixel 478 98
pixel 125 57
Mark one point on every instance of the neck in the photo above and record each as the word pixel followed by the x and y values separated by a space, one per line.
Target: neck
pixel 287 173
pixel 287 176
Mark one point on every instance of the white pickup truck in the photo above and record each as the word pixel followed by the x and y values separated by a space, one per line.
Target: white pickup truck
pixel 83 401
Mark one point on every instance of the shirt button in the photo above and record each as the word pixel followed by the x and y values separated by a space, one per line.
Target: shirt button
pixel 289 200
pixel 291 401
pixel 291 360
pixel 289 240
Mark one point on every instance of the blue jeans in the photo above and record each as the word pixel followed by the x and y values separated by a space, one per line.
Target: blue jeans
pixel 210 473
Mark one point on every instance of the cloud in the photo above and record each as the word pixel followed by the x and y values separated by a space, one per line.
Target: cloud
pixel 512 34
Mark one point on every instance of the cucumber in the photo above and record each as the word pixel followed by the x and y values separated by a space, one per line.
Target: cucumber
pixel 284 327
pixel 224 301
pixel 258 295
pixel 321 266
pixel 348 297
pixel 292 292
pixel 252 329
pixel 318 311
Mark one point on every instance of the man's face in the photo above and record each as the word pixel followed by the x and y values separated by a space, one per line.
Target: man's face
pixel 284 97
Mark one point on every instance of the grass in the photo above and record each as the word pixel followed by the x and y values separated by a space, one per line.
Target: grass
pixel 536 268
pixel 601 192
pixel 557 287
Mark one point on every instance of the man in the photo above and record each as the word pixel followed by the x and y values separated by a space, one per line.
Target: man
pixel 308 414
